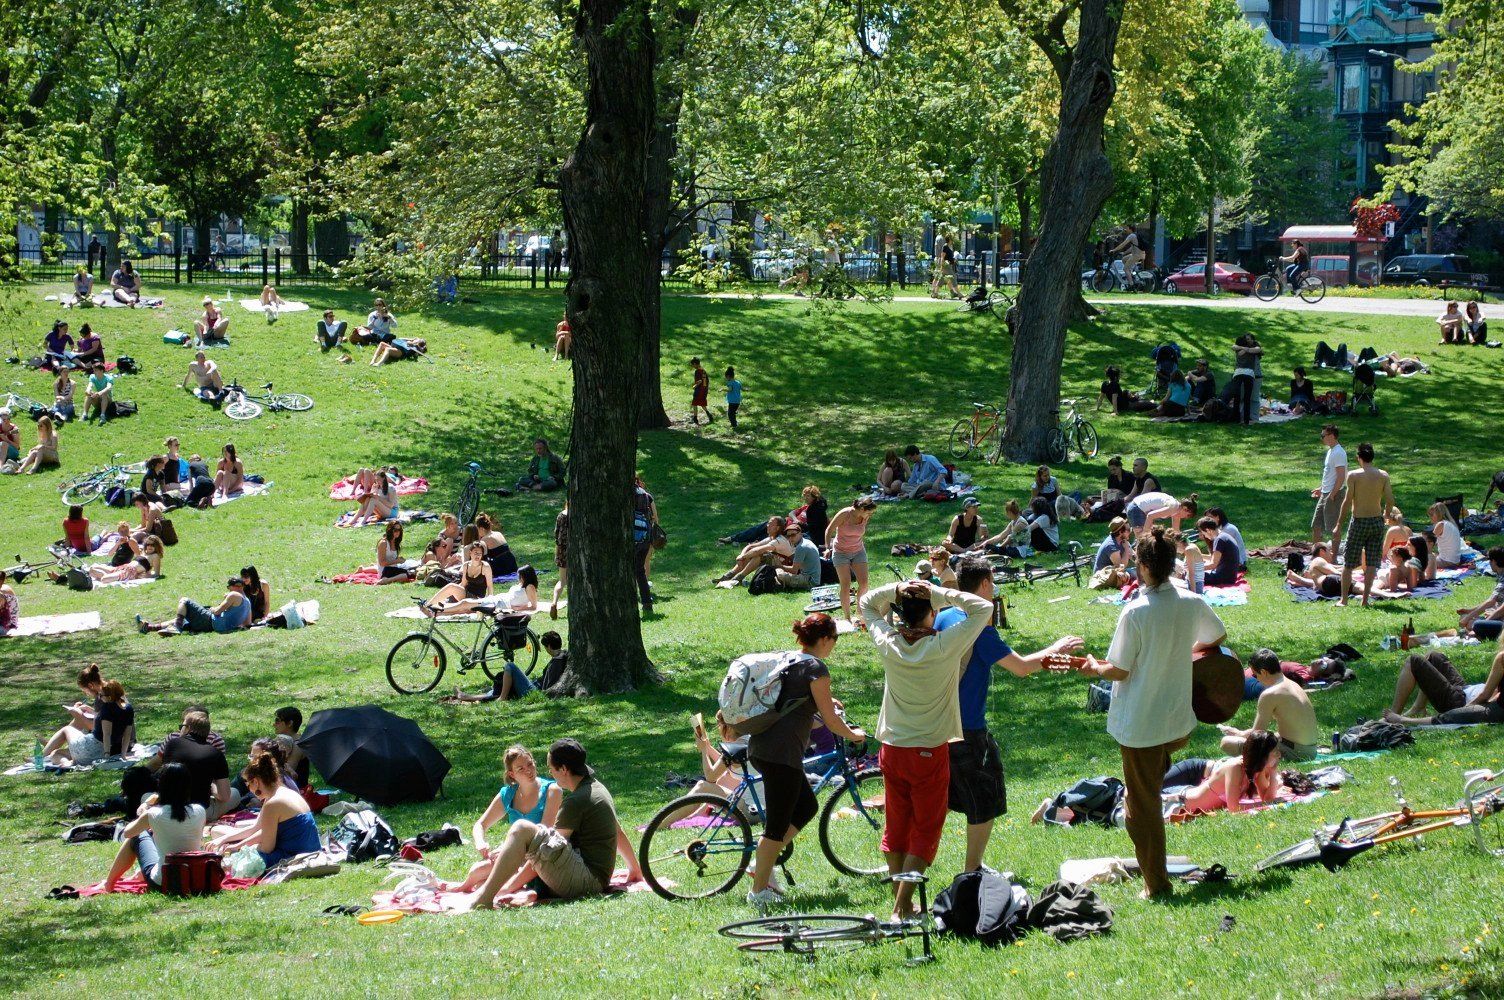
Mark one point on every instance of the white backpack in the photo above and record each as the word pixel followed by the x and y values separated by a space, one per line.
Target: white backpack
pixel 750 691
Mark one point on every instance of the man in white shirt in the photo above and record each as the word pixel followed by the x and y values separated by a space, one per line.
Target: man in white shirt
pixel 1149 663
pixel 1333 488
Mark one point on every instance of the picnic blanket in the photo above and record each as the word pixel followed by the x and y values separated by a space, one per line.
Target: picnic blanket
pixel 136 885
pixel 369 575
pixel 1249 806
pixel 953 491
pixel 1483 524
pixel 142 582
pixel 1429 590
pixel 108 301
pixel 349 518
pixel 246 490
pixel 1282 553
pixel 288 306
pixel 459 902
pixel 1217 597
pixel 83 621
pixel 406 486
pixel 137 755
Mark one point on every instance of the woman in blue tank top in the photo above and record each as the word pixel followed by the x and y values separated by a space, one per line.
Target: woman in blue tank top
pixel 524 796
pixel 285 827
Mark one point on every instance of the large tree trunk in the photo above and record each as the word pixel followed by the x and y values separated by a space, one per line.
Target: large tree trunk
pixel 603 187
pixel 1153 259
pixel 1074 183
pixel 300 236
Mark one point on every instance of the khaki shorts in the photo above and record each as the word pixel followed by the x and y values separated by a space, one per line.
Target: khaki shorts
pixel 560 866
pixel 1296 751
pixel 1328 506
pixel 794 581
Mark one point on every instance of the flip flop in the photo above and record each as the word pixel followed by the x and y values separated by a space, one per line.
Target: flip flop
pixel 62 892
pixel 345 910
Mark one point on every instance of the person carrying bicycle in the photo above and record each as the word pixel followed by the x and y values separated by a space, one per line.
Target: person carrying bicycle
pixel 1131 253
pixel 1299 262
pixel 778 751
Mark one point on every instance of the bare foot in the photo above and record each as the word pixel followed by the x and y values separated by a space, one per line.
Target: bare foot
pixel 1039 813
pixel 1341 604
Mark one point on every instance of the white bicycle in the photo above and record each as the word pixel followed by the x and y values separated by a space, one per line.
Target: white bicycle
pixel 241 405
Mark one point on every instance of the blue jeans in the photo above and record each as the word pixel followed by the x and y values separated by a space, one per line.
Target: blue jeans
pixel 149 858
pixel 747 536
pixel 521 686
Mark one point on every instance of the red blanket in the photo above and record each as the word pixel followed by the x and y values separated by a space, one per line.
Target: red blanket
pixel 369 575
pixel 406 486
pixel 137 885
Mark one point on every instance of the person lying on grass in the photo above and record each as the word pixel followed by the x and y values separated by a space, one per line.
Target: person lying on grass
pixel 397 349
pixel 574 857
pixel 520 600
pixel 1433 681
pixel 231 614
pixel 1253 774
pixel 168 822
pixel 1283 704
pixel 1485 619
pixel 1321 575
pixel 1399 574
pixel 143 561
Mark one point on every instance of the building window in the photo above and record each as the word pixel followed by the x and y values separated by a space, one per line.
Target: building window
pixel 1374 154
pixel 1349 87
pixel 1378 88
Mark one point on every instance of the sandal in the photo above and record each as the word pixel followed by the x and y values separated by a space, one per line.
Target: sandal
pixel 345 910
pixel 62 892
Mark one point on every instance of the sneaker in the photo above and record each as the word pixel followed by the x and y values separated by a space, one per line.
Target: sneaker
pixel 141 624
pixel 764 900
pixel 775 885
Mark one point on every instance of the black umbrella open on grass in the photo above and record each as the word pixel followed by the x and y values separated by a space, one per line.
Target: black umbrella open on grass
pixel 375 755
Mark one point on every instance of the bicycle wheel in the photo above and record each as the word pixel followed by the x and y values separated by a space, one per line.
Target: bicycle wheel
pixel 1104 280
pixel 1086 439
pixel 1312 289
pixel 294 401
pixel 415 664
pixel 1056 448
pixel 803 933
pixel 692 857
pixel 468 503
pixel 1488 828
pixel 851 825
pixel 998 300
pixel 241 408
pixel 83 492
pixel 962 439
pixel 1309 850
pixel 1267 287
pixel 514 644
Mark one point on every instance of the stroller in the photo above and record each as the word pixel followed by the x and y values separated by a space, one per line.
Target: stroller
pixel 1166 363
pixel 1363 391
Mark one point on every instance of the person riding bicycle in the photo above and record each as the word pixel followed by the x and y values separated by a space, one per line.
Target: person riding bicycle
pixel 1299 262
pixel 1131 252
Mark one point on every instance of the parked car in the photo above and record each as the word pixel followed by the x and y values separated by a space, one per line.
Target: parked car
pixel 1229 278
pixel 1433 269
pixel 1332 268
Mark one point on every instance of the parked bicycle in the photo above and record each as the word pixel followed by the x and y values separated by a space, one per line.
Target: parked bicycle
pixel 1311 288
pixel 417 662
pixel 700 845
pixel 89 486
pixel 986 300
pixel 808 934
pixel 1075 432
pixel 239 404
pixel 18 404
pixel 982 432
pixel 469 499
pixel 1006 570
pixel 1335 846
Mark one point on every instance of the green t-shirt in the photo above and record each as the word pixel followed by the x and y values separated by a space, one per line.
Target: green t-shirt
pixel 589 814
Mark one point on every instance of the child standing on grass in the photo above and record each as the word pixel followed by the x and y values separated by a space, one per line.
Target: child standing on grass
pixel 733 396
pixel 701 400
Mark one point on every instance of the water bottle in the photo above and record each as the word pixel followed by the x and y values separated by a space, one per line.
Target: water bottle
pixel 36 756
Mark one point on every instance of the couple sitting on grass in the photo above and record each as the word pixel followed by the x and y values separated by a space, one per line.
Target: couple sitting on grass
pixel 564 836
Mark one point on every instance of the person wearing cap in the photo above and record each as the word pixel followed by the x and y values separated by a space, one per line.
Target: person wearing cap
pixel 209 384
pixel 229 615
pixel 1203 382
pixel 1115 549
pixel 329 332
pixel 967 532
pixel 574 857
pixel 801 569
pixel 212 325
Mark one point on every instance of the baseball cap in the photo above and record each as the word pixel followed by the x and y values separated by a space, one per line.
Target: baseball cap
pixel 971 502
pixel 568 754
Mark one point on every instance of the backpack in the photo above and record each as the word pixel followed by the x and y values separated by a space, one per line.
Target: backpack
pixel 751 688
pixel 126 365
pixel 1216 411
pixel 79 579
pixel 120 496
pixel 642 528
pixel 122 408
pixel 166 531
pixel 85 833
pixel 1373 734
pixel 191 873
pixel 984 905
pixel 362 836
pixel 1110 506
pixel 764 581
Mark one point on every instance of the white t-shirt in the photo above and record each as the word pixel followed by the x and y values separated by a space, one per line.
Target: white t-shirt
pixel 1336 458
pixel 1154 505
pixel 1154 640
pixel 174 836
pixel 380 325
pixel 1448 542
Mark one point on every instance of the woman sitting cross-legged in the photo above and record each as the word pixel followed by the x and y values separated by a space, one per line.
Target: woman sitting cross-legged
pixel 285 826
pixel 1231 780
pixel 523 795
pixel 168 822
pixel 389 556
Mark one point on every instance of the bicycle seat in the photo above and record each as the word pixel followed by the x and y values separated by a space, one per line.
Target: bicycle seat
pixel 267 386
pixel 914 877
pixel 735 753
pixel 979 406
pixel 1067 402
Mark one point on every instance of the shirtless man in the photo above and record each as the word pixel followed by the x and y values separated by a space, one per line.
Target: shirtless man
pixel 1283 705
pixel 1369 495
pixel 773 550
pixel 210 384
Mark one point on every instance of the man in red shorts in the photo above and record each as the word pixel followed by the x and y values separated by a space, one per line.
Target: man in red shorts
pixel 920 716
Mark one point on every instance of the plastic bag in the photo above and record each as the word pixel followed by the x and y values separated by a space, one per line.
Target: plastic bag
pixel 246 863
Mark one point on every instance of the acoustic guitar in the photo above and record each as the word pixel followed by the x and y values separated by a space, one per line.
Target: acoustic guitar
pixel 1216 685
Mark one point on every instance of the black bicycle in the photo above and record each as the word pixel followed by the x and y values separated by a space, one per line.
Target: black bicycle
pixel 986 300
pixel 417 662
pixel 1311 287
pixel 700 845
pixel 469 499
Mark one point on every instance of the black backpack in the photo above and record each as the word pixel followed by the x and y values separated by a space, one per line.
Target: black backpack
pixel 363 836
pixel 120 496
pixel 126 365
pixel 1373 734
pixel 764 581
pixel 984 905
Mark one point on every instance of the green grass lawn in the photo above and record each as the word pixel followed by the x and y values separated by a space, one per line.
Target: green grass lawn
pixel 826 392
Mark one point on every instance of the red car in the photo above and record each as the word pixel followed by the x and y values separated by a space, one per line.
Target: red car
pixel 1229 278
